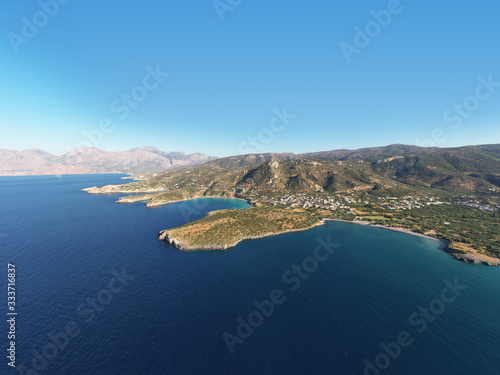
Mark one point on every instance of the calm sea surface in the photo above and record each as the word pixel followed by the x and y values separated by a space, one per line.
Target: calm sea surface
pixel 97 293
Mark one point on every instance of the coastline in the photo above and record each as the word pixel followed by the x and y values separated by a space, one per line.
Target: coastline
pixel 117 189
pixel 151 196
pixel 471 256
pixel 445 245
pixel 157 204
pixel 148 198
pixel 397 229
pixel 163 235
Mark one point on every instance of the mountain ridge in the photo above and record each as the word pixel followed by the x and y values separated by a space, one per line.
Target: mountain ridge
pixel 92 160
pixel 394 167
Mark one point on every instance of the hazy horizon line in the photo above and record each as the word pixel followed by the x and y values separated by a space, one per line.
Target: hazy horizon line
pixel 254 153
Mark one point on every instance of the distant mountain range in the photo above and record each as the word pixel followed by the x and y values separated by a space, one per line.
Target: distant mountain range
pixel 92 160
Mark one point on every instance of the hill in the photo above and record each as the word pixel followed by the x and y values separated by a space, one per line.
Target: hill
pixel 226 228
pixel 396 169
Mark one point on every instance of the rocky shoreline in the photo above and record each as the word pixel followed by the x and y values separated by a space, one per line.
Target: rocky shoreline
pixel 467 257
pixel 471 257
pixel 108 189
pixel 150 200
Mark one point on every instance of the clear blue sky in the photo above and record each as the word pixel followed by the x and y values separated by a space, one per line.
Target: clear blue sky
pixel 226 77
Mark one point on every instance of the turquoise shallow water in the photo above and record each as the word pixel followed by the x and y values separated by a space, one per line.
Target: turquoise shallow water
pixel 173 308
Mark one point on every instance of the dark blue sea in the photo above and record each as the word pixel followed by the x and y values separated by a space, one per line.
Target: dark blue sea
pixel 97 293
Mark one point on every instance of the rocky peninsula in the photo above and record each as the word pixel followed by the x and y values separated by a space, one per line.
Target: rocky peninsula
pixel 226 228
pixel 133 187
